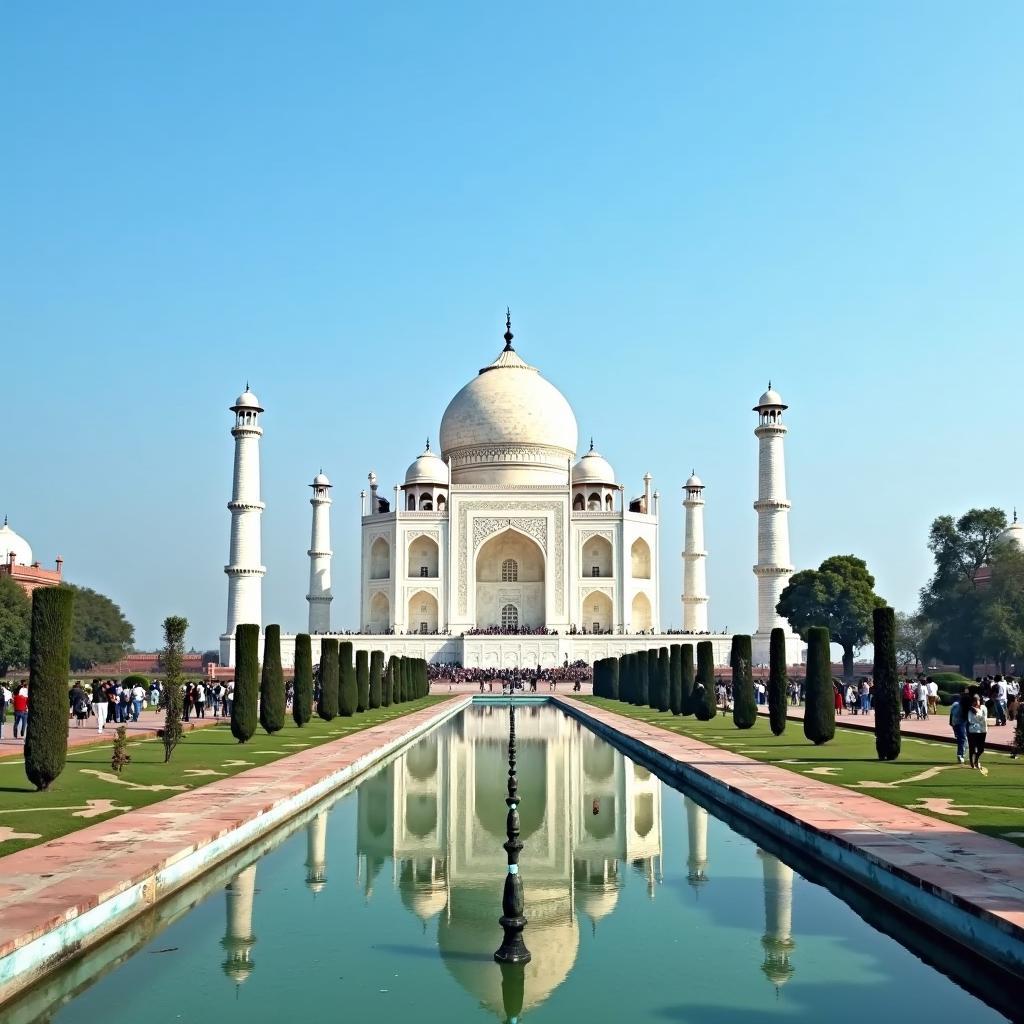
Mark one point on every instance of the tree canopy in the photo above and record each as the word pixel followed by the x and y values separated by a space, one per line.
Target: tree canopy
pixel 15 625
pixel 99 630
pixel 839 595
pixel 912 631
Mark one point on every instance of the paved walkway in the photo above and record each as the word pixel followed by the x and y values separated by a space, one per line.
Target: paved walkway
pixel 934 727
pixel 42 887
pixel 982 874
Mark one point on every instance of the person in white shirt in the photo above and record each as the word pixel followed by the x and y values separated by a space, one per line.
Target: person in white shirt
pixel 921 699
pixel 5 702
pixel 999 693
pixel 138 696
pixel 933 695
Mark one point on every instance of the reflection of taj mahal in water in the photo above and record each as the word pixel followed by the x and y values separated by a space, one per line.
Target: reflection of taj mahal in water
pixel 437 814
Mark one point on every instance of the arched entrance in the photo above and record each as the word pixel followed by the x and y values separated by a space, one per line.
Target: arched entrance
pixel 596 614
pixel 510 582
pixel 380 612
pixel 641 613
pixel 422 613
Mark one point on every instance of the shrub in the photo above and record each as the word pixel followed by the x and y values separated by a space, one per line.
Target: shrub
pixel 272 682
pixel 391 680
pixel 403 678
pixel 49 659
pixel 362 681
pixel 641 691
pixel 686 696
pixel 133 680
pixel 120 758
pixel 612 679
pixel 302 700
pixel 385 683
pixel 819 705
pixel 596 671
pixel 664 680
pixel 951 681
pixel 348 698
pixel 887 688
pixel 675 671
pixel 376 682
pixel 744 706
pixel 626 679
pixel 778 682
pixel 423 677
pixel 327 709
pixel 174 651
pixel 704 704
pixel 247 677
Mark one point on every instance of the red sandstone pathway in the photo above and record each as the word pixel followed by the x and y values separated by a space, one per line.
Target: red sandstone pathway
pixel 46 885
pixel 977 869
pixel 934 727
pixel 147 725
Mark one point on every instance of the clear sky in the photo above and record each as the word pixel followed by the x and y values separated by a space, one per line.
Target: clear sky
pixel 336 202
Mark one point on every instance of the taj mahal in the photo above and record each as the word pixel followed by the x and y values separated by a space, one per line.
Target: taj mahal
pixel 501 548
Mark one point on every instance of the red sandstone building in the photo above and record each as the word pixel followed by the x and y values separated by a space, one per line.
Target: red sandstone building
pixel 16 562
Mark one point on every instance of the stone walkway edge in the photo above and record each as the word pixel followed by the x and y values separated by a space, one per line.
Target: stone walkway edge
pixel 965 885
pixel 64 896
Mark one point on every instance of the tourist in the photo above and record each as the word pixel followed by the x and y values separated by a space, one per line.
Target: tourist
pixel 79 704
pixel 999 693
pixel 217 697
pixel 154 694
pixel 851 698
pixel 229 697
pixel 138 696
pixel 977 728
pixel 21 710
pixel 199 696
pixel 907 696
pixel 837 696
pixel 958 722
pixel 186 702
pixel 99 704
pixel 865 695
pixel 5 700
pixel 933 696
pixel 921 699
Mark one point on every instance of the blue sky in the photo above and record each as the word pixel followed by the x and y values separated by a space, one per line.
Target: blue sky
pixel 337 201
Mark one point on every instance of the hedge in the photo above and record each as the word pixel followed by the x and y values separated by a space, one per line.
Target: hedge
pixel 888 711
pixel 705 706
pixel 327 709
pixel 686 696
pixel 302 698
pixel 347 695
pixel 247 676
pixel 819 703
pixel 376 678
pixel 744 706
pixel 778 682
pixel 272 683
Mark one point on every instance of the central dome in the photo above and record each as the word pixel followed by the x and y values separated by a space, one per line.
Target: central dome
pixel 509 425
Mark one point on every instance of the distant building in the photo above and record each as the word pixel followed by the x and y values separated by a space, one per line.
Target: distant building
pixel 16 562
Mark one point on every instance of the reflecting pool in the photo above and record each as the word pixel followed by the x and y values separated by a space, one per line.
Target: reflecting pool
pixel 383 905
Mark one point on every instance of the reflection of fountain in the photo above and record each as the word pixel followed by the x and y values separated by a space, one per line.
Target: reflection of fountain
pixel 778 919
pixel 512 949
pixel 316 853
pixel 697 833
pixel 239 939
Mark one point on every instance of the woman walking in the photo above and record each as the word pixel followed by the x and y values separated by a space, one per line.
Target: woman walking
pixel 977 729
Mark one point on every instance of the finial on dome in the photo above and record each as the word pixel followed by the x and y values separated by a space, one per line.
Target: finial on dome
pixel 591 444
pixel 769 384
pixel 246 385
pixel 508 330
pixel 1014 515
pixel 428 444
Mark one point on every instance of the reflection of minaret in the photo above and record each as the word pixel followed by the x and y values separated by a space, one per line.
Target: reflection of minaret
pixel 316 853
pixel 778 919
pixel 697 832
pixel 239 939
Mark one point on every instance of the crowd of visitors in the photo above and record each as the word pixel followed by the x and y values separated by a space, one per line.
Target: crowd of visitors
pixel 510 680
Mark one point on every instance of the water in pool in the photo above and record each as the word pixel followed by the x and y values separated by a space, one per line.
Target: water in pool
pixel 383 905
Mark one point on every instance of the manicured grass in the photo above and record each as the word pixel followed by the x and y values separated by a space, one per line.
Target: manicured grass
pixel 926 778
pixel 88 790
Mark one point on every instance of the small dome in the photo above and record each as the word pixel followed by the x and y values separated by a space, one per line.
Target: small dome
pixel 593 468
pixel 429 468
pixel 320 480
pixel 1013 534
pixel 694 481
pixel 770 398
pixel 598 902
pixel 11 542
pixel 247 400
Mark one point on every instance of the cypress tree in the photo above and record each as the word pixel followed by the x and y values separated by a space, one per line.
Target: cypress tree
pixel 247 675
pixel 887 692
pixel 596 672
pixel 272 682
pixel 174 651
pixel 675 672
pixel 347 696
pixel 612 679
pixel 376 678
pixel 705 706
pixel 686 697
pixel 641 692
pixel 362 681
pixel 46 743
pixel 329 679
pixel 390 680
pixel 404 676
pixel 302 701
pixel 820 707
pixel 385 682
pixel 424 678
pixel 664 676
pixel 778 682
pixel 624 679
pixel 744 706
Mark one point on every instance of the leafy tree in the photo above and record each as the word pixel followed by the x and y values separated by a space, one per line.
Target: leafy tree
pixel 272 684
pixel 15 624
pixel 952 600
pixel 686 696
pixel 247 676
pixel 911 638
pixel 705 703
pixel 778 681
pixel 329 679
pixel 744 706
pixel 120 758
pixel 302 699
pixel 175 627
pixel 99 632
pixel 376 677
pixel 675 670
pixel 1002 606
pixel 887 689
pixel 362 680
pixel 839 595
pixel 820 706
pixel 348 697
pixel 46 743
pixel 663 690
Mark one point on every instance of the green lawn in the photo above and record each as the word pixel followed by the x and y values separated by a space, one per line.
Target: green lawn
pixel 926 778
pixel 88 790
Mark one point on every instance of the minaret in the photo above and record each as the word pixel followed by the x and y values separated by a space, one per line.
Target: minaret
pixel 316 853
pixel 244 571
pixel 777 940
pixel 773 568
pixel 319 596
pixel 238 939
pixel 695 578
pixel 697 835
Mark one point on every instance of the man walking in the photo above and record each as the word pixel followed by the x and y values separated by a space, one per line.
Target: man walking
pixel 21 711
pixel 99 704
pixel 999 700
pixel 958 722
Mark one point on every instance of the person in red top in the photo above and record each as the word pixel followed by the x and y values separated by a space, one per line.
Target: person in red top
pixel 21 710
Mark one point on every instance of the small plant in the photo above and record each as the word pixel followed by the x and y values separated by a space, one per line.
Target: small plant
pixel 120 758
pixel 174 648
